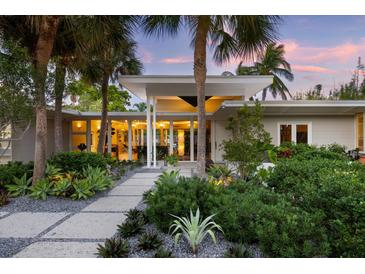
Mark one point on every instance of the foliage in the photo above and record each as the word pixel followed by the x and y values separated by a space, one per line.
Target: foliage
pixel 140 107
pixel 97 178
pixel 171 159
pixel 4 197
pixel 20 186
pixel 219 175
pixel 238 251
pixel 333 188
pixel 13 170
pixel 163 253
pixel 52 172
pixel 41 189
pixel 194 229
pixel 149 241
pixel 113 248
pixel 246 148
pixel 271 62
pixel 133 224
pixel 62 187
pixel 82 189
pixel 76 161
pixel 168 177
pixel 177 198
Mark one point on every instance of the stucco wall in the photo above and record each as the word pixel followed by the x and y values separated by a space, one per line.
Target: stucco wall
pixel 325 130
pixel 23 150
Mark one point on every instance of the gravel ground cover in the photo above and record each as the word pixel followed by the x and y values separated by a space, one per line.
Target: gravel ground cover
pixel 11 246
pixel 207 249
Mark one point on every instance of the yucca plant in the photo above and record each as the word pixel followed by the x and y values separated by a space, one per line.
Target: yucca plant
pixel 113 248
pixel 149 241
pixel 194 229
pixel 21 186
pixel 41 189
pixel 82 190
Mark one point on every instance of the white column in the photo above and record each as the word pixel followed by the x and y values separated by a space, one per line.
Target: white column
pixel 154 133
pixel 192 140
pixel 142 137
pixel 70 136
pixel 171 145
pixel 109 136
pixel 129 139
pixel 148 113
pixel 212 139
pixel 88 135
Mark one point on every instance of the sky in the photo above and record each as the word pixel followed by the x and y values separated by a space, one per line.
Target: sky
pixel 321 50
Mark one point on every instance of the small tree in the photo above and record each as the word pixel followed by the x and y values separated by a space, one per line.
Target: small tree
pixel 245 149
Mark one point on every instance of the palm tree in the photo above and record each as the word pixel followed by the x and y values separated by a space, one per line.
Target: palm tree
pixel 228 36
pixel 109 51
pixel 37 35
pixel 271 62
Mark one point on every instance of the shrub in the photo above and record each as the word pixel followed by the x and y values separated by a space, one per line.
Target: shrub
pixel 171 159
pixel 20 186
pixel 113 248
pixel 97 178
pixel 149 241
pixel 82 189
pixel 194 229
pixel 168 177
pixel 220 175
pixel 333 189
pixel 238 251
pixel 178 198
pixel 41 189
pixel 77 161
pixel 163 253
pixel 13 170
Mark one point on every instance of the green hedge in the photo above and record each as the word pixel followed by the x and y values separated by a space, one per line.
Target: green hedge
pixel 77 161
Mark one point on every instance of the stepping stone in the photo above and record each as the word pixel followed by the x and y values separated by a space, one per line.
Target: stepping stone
pixel 3 213
pixel 139 182
pixel 129 190
pixel 87 226
pixel 145 175
pixel 27 224
pixel 114 203
pixel 59 250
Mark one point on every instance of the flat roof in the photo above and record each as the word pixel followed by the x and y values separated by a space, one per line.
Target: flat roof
pixel 297 107
pixel 184 85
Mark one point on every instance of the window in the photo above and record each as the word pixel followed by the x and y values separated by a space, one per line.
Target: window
pixel 296 132
pixel 360 131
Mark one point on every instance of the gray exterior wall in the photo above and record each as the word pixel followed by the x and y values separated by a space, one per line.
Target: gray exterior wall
pixel 23 150
pixel 325 130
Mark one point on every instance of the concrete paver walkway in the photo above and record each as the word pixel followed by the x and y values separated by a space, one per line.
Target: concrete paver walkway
pixel 69 234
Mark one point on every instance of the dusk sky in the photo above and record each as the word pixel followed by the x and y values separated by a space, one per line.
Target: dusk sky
pixel 321 50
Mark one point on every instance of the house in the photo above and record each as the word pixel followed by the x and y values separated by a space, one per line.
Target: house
pixel 171 127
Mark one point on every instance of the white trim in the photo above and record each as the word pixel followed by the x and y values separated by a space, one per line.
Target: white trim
pixel 129 139
pixel 294 130
pixel 191 140
pixel 154 133
pixel 171 142
pixel 212 139
pixel 109 133
pixel 148 114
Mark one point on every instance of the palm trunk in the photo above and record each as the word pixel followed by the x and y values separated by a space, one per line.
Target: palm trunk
pixel 104 112
pixel 200 73
pixel 59 89
pixel 42 54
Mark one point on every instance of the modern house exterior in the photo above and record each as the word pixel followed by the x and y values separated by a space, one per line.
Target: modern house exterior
pixel 171 126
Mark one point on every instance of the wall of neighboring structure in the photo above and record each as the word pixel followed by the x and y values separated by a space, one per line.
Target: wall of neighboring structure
pixel 325 130
pixel 23 150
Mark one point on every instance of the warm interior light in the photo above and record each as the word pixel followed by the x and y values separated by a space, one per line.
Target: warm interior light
pixel 78 125
pixel 180 143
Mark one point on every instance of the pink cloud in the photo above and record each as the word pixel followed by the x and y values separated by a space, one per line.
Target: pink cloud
pixel 177 60
pixel 306 68
pixel 146 56
pixel 342 53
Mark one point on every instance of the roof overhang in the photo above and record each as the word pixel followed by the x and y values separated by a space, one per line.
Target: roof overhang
pixel 184 85
pixel 299 107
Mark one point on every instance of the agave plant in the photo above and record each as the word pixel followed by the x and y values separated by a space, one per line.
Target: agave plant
pixel 169 177
pixel 220 175
pixel 20 186
pixel 41 189
pixel 113 248
pixel 52 172
pixel 82 190
pixel 194 229
pixel 62 187
pixel 97 178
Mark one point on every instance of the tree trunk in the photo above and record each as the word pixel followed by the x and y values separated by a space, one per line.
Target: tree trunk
pixel 47 33
pixel 59 89
pixel 104 112
pixel 200 73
